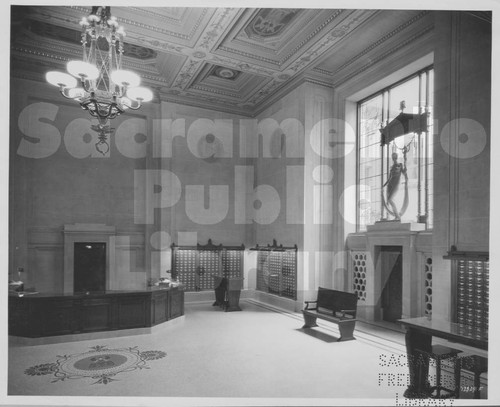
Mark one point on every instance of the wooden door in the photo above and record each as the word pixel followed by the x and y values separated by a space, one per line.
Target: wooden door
pixel 392 272
pixel 89 267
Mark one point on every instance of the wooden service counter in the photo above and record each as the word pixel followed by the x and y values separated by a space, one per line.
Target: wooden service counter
pixel 39 315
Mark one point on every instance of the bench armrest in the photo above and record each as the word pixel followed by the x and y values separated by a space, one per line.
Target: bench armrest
pixel 310 302
pixel 349 312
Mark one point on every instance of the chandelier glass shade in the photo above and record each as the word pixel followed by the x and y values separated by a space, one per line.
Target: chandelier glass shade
pixel 98 82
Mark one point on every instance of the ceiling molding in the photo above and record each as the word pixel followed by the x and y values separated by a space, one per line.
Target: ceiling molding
pixel 181 47
pixel 375 44
pixel 380 57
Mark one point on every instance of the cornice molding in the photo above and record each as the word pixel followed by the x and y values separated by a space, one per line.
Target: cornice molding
pixel 375 44
pixel 179 72
pixel 202 88
pixel 279 94
pixel 239 65
pixel 248 55
pixel 20 51
pixel 384 55
pixel 239 111
pixel 312 35
pixel 155 28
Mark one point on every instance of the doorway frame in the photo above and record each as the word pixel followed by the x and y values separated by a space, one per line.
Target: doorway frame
pixel 393 234
pixel 386 276
pixel 91 233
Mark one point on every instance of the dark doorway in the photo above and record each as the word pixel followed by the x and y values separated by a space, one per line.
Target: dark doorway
pixel 90 267
pixel 391 262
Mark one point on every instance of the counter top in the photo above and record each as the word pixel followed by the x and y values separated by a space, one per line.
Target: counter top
pixel 452 331
pixel 31 294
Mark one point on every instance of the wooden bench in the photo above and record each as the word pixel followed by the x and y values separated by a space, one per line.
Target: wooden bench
pixel 334 306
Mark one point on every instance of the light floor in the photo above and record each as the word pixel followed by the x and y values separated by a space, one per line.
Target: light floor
pixel 259 356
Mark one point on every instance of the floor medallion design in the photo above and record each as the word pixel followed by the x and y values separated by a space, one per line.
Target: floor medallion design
pixel 99 364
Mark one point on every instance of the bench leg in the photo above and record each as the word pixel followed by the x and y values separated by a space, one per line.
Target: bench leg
pixel 309 321
pixel 346 329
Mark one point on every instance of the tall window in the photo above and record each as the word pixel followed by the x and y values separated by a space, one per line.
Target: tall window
pixel 395 179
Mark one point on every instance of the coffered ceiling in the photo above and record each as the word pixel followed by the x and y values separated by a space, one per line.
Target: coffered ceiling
pixel 229 59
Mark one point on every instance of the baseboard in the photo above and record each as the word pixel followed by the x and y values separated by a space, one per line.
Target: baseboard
pixel 265 298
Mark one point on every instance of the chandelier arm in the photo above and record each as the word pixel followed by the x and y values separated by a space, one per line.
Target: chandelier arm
pixel 86 85
pixel 62 90
pixel 121 92
pixel 135 108
pixel 95 90
pixel 94 112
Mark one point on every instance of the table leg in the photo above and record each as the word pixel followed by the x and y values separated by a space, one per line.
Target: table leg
pixel 418 366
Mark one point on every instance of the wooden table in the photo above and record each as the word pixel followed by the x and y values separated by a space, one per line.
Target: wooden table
pixel 419 333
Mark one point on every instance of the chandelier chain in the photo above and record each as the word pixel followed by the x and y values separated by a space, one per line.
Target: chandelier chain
pixel 106 89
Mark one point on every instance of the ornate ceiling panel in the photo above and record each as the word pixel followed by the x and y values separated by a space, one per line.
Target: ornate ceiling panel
pixel 229 59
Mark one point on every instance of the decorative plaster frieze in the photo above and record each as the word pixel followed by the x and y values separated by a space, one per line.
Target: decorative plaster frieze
pixel 384 55
pixel 216 91
pixel 155 28
pixel 255 48
pixel 30 42
pixel 284 90
pixel 249 55
pixel 265 91
pixel 273 88
pixel 38 53
pixel 314 33
pixel 162 45
pixel 314 52
pixel 187 73
pixel 216 27
pixel 247 35
pixel 326 43
pixel 201 103
pixel 315 81
pixel 278 63
pixel 241 66
pixel 374 45
pixel 208 98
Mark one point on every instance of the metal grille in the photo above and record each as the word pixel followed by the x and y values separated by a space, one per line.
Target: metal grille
pixel 289 274
pixel 185 268
pixel 232 263
pixel 428 285
pixel 473 295
pixel 208 268
pixel 262 271
pixel 196 266
pixel 277 270
pixel 359 274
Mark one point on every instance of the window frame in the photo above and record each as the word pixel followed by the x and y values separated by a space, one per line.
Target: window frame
pixel 383 91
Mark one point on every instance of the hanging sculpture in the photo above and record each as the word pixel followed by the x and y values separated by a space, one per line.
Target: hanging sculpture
pixel 393 183
pixel 401 125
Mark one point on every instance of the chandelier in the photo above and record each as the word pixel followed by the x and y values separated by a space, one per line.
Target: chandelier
pixel 97 81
